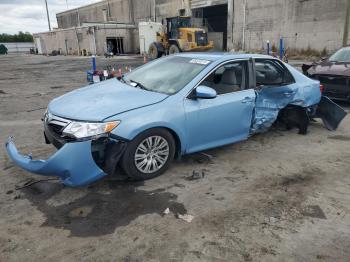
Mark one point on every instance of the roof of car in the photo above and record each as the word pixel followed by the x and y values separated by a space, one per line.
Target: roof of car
pixel 213 56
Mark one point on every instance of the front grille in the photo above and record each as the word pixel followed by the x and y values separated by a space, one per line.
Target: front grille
pixel 55 125
pixel 57 129
pixel 201 38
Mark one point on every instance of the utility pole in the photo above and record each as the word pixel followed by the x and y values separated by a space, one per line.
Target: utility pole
pixel 346 25
pixel 244 22
pixel 48 17
pixel 154 11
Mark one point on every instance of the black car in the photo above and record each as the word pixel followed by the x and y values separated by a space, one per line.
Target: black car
pixel 333 73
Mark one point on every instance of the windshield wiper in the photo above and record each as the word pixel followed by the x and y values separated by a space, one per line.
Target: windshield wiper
pixel 139 85
pixel 122 79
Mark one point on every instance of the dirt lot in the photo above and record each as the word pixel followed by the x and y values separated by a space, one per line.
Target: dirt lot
pixel 278 196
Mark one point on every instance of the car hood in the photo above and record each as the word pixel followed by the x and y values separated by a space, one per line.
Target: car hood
pixel 330 68
pixel 100 101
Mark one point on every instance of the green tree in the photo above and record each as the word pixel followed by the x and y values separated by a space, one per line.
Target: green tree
pixel 20 37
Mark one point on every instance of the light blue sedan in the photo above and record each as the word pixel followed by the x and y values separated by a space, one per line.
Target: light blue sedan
pixel 172 106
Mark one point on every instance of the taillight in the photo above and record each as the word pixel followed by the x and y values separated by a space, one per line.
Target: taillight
pixel 321 88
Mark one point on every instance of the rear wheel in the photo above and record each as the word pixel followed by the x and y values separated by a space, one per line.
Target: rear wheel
pixel 153 51
pixel 173 49
pixel 149 154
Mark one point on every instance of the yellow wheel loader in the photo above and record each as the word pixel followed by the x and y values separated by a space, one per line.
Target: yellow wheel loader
pixel 179 37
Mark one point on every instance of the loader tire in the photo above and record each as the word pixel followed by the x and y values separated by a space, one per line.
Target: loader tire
pixel 173 49
pixel 154 52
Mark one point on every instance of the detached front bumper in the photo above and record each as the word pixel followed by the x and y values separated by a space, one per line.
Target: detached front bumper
pixel 73 163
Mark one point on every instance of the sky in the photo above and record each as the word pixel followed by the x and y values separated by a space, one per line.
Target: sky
pixel 30 15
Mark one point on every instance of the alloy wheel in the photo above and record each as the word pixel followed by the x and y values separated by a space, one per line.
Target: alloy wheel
pixel 151 154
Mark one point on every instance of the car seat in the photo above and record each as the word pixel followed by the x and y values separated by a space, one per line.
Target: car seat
pixel 228 82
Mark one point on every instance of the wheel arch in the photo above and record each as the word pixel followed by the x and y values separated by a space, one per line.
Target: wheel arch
pixel 177 140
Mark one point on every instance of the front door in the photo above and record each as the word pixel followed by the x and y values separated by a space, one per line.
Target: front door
pixel 226 118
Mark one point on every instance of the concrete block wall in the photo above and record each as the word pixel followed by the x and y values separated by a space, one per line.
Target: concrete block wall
pixel 58 40
pixel 144 10
pixel 119 11
pixel 102 34
pixel 18 47
pixel 317 24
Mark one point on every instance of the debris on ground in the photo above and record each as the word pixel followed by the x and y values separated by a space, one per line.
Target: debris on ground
pixel 80 212
pixel 273 220
pixel 31 182
pixel 203 158
pixel 56 87
pixel 196 174
pixel 314 211
pixel 17 196
pixel 166 211
pixel 188 218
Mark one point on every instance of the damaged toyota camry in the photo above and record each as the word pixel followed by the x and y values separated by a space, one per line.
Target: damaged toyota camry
pixel 169 107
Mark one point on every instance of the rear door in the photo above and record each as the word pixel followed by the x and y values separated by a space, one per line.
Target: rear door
pixel 275 89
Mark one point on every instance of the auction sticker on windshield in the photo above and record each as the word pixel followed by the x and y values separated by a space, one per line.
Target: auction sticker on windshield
pixel 199 61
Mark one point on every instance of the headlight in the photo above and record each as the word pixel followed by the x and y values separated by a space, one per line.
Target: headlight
pixel 84 130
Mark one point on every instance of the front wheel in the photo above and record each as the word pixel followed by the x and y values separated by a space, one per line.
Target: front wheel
pixel 173 49
pixel 149 154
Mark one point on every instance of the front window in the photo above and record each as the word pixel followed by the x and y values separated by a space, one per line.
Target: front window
pixel 166 75
pixel 342 55
pixel 228 78
pixel 184 22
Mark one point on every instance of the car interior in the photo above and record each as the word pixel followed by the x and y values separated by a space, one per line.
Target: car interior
pixel 227 78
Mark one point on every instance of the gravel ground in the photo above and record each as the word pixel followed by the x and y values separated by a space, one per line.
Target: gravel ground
pixel 278 196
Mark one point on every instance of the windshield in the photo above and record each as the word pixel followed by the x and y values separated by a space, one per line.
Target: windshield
pixel 342 55
pixel 166 75
pixel 184 22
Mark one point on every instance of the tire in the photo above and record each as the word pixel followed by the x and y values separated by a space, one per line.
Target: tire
pixel 173 49
pixel 140 167
pixel 153 51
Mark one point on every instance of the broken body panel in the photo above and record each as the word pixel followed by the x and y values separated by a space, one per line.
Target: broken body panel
pixel 197 124
pixel 72 171
pixel 271 99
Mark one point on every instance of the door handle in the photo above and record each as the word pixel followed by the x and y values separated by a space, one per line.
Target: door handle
pixel 290 93
pixel 247 100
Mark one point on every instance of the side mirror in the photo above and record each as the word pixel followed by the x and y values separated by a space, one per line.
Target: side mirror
pixel 205 92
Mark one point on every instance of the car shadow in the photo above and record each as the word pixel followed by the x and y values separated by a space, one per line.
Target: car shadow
pixel 97 212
